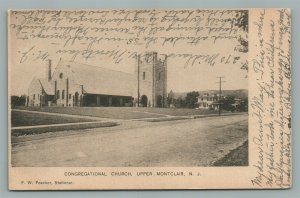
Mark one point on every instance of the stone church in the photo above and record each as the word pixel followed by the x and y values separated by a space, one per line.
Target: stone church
pixel 74 84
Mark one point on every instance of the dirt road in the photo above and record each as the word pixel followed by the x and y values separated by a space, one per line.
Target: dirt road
pixel 198 142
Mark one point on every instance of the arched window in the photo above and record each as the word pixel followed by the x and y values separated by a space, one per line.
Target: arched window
pixel 57 94
pixel 63 94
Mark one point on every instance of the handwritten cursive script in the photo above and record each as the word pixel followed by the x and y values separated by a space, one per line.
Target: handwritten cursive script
pixel 116 34
pixel 271 103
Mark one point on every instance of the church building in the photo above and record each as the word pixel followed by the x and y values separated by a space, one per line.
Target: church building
pixel 74 84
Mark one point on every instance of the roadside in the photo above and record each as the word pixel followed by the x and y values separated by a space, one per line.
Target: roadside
pixel 236 157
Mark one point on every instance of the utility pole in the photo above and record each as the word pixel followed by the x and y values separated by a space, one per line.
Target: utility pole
pixel 220 92
pixel 164 80
pixel 138 77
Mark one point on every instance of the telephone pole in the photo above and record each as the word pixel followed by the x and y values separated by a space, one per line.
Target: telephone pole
pixel 220 92
pixel 165 81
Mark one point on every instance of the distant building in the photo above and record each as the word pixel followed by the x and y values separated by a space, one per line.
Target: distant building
pixel 209 101
pixel 75 84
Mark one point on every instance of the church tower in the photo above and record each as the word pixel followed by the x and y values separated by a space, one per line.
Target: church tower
pixel 151 78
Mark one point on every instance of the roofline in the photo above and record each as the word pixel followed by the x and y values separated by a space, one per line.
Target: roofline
pixel 93 66
pixel 108 94
pixel 39 79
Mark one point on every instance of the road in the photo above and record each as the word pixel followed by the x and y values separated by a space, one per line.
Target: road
pixel 196 142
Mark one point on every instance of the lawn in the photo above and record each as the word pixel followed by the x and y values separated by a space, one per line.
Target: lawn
pixel 32 119
pixel 176 111
pixel 121 112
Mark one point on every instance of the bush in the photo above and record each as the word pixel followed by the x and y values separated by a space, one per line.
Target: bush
pixel 18 101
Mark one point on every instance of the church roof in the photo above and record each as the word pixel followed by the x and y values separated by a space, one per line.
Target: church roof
pixel 100 80
pixel 48 88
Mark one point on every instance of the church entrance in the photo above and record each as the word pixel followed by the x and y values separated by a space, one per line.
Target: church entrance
pixel 144 101
pixel 76 99
pixel 159 101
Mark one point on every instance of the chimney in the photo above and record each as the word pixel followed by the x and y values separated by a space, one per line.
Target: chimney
pixel 154 54
pixel 48 70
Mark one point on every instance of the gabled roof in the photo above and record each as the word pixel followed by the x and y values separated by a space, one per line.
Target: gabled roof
pixel 209 94
pixel 100 80
pixel 48 88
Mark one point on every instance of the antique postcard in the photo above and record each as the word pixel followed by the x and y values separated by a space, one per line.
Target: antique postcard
pixel 149 99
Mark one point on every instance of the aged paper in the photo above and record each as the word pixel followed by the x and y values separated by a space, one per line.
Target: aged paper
pixel 149 99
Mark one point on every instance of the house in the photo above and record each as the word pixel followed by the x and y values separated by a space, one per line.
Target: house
pixel 76 84
pixel 209 101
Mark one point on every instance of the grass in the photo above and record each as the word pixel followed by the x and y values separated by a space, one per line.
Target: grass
pixel 237 157
pixel 33 119
pixel 177 111
pixel 122 112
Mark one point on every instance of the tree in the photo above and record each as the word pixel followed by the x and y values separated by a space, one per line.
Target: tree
pixel 242 21
pixel 18 101
pixel 191 99
pixel 179 102
pixel 171 99
pixel 227 103
pixel 243 106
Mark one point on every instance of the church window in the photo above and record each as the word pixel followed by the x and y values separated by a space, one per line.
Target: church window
pixel 144 75
pixel 159 75
pixel 61 75
pixel 57 94
pixel 33 96
pixel 63 94
pixel 70 96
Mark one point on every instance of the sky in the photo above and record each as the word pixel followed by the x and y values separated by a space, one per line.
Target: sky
pixel 28 57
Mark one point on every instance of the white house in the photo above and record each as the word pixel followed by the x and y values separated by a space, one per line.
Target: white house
pixel 209 101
